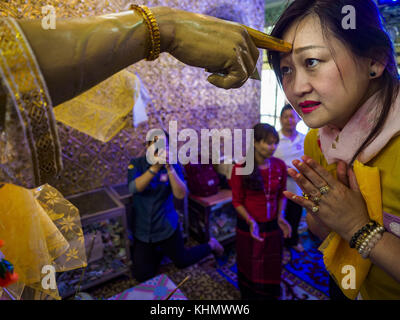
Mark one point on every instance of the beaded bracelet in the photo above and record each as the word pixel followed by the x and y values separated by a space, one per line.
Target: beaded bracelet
pixel 362 233
pixel 361 238
pixel 154 30
pixel 370 241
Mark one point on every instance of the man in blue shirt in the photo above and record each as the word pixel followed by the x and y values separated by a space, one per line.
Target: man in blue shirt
pixel 155 220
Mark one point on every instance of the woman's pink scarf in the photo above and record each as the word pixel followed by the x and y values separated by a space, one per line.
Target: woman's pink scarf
pixel 342 144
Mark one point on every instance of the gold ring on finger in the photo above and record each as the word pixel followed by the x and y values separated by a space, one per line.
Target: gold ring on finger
pixel 324 189
pixel 316 200
pixel 315 209
pixel 306 196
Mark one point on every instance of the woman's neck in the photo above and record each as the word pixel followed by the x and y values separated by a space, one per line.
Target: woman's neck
pixel 372 90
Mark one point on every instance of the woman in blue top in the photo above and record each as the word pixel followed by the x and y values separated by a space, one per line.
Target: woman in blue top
pixel 155 222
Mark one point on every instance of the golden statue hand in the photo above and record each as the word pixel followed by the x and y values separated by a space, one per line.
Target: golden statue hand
pixel 82 52
pixel 221 47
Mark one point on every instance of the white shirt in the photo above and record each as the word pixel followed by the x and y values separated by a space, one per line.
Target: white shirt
pixel 288 151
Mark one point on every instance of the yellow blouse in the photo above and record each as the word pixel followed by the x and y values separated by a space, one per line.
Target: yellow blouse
pixel 381 195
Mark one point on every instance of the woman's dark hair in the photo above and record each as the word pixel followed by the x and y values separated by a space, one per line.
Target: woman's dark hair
pixel 369 39
pixel 262 131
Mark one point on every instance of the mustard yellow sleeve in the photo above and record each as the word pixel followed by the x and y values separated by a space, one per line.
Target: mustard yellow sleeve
pixel 313 150
pixel 311 144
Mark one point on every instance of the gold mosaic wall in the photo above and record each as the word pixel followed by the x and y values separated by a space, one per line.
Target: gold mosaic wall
pixel 178 93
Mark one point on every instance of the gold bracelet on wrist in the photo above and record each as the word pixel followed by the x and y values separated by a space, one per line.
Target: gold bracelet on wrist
pixel 152 25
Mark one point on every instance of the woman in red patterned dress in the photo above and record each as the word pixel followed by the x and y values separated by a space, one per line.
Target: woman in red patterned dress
pixel 258 199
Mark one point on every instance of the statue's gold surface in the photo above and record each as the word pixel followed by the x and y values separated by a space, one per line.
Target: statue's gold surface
pixel 265 41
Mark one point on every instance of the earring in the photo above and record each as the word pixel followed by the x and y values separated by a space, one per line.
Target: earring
pixel 372 74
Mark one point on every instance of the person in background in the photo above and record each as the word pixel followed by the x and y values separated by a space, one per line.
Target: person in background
pixel 155 224
pixel 258 199
pixel 291 147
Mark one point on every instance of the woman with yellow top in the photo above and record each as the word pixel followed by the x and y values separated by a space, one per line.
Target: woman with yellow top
pixel 341 77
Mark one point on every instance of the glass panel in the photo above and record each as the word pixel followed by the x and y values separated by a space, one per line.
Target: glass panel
pixel 106 254
pixel 302 127
pixel 93 202
pixel 268 119
pixel 272 96
pixel 223 222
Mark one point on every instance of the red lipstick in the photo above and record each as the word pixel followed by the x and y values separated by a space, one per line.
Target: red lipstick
pixel 309 106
